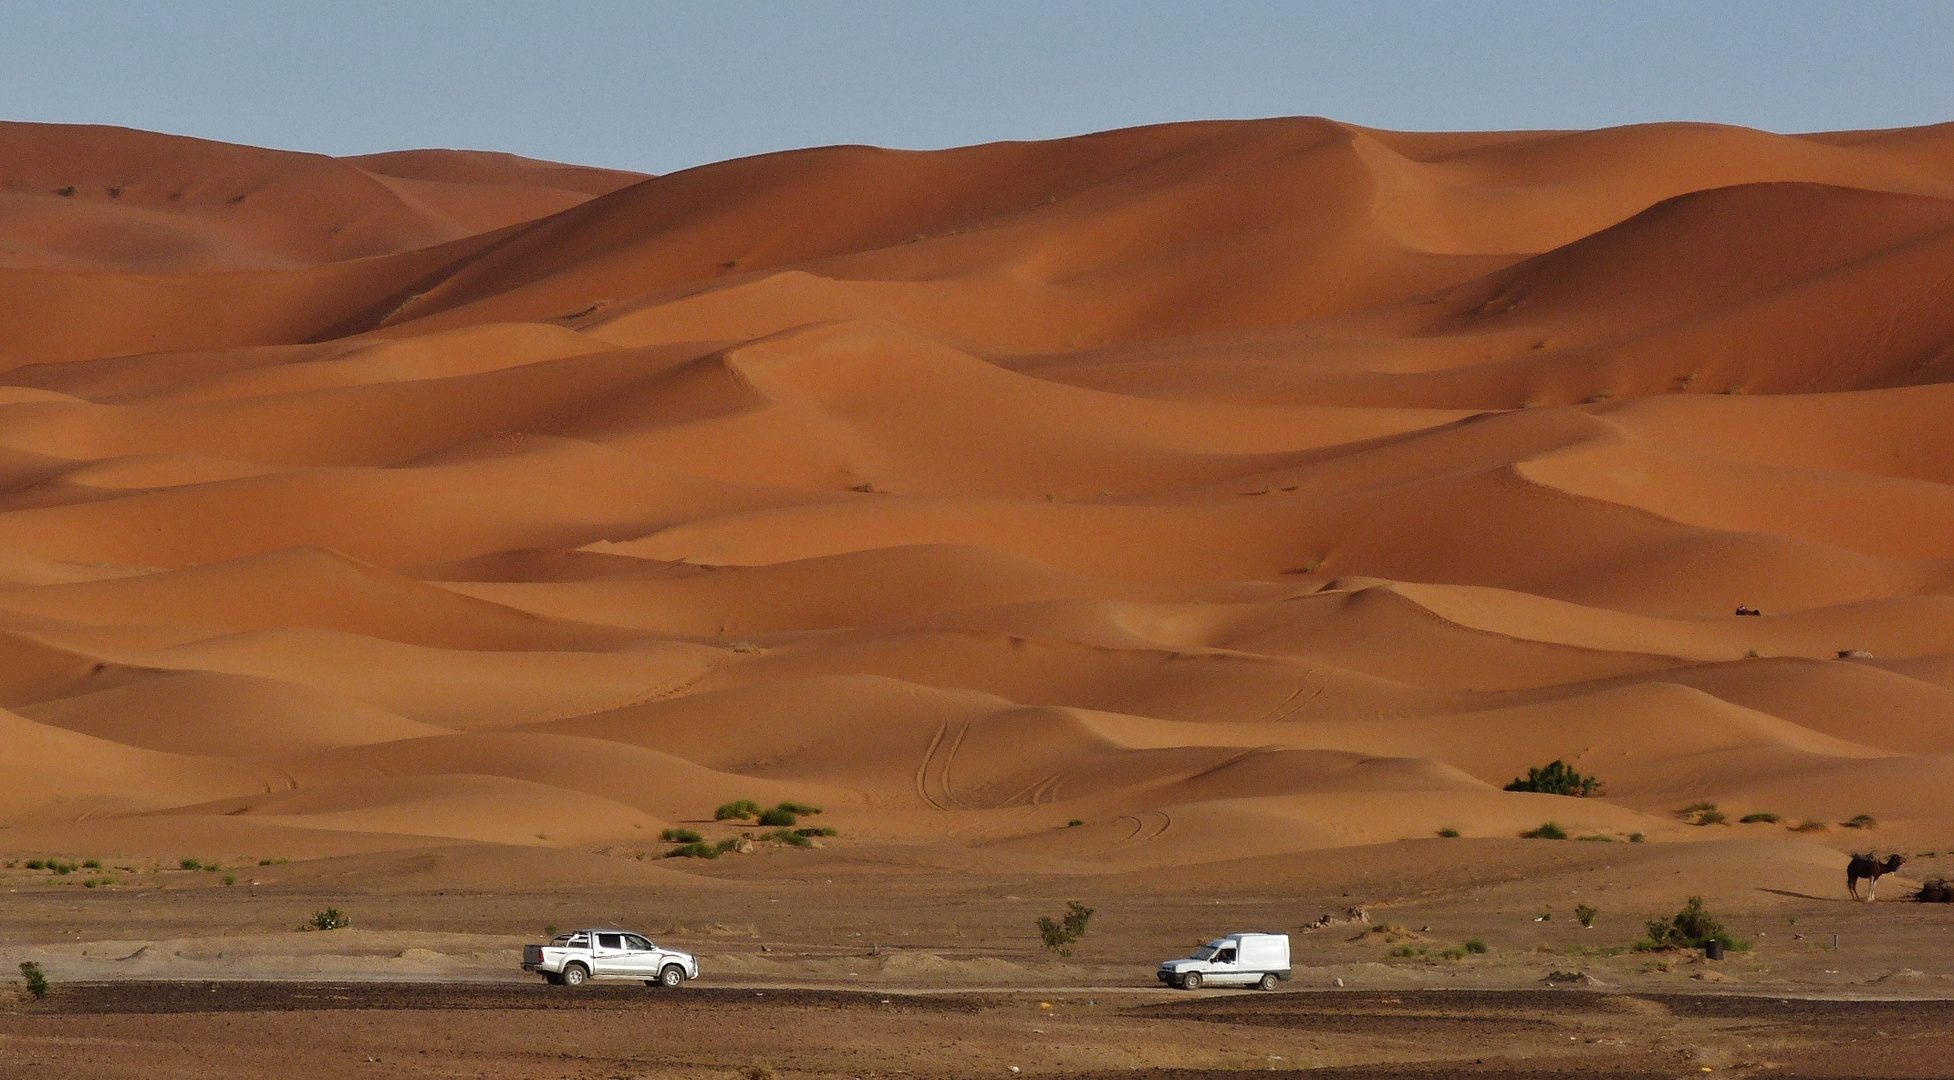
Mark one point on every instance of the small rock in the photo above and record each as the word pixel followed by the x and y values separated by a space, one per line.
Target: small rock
pixel 1339 982
pixel 1854 654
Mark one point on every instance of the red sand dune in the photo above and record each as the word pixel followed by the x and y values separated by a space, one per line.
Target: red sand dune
pixel 1282 480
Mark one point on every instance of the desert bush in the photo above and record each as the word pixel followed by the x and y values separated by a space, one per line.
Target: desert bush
pixel 230 879
pixel 1762 815
pixel 1449 833
pixel 756 1072
pixel 818 830
pixel 1861 821
pixel 1059 934
pixel 1548 831
pixel 1556 778
pixel 329 919
pixel 1701 813
pixel 280 861
pixel 36 979
pixel 739 809
pixel 790 837
pixel 778 817
pixel 679 836
pixel 37 864
pixel 1635 838
pixel 694 850
pixel 1585 914
pixel 1690 928
pixel 59 867
pixel 1475 946
pixel 1596 838
pixel 91 864
pixel 1075 823
pixel 1453 954
pixel 190 864
pixel 799 808
pixel 1809 825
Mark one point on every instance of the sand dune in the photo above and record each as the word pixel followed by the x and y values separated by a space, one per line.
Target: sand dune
pixel 1230 489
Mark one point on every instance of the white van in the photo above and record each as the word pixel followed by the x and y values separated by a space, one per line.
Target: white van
pixel 1260 960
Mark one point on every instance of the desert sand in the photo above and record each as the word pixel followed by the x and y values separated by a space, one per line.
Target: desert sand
pixel 1205 509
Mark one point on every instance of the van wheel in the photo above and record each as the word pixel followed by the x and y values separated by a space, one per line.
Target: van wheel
pixel 672 976
pixel 1268 982
pixel 574 975
pixel 1191 981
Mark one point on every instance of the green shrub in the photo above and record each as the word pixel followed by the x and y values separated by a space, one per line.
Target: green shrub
pixel 1586 914
pixel 36 980
pixel 679 836
pixel 91 883
pixel 230 879
pixel 694 850
pixel 1596 838
pixel 1058 934
pixel 1763 816
pixel 1861 821
pixel 273 862
pixel 61 867
pixel 1691 928
pixel 799 808
pixel 778 817
pixel 212 868
pixel 1810 825
pixel 1701 813
pixel 1548 831
pixel 739 809
pixel 1635 838
pixel 37 864
pixel 1556 778
pixel 1075 823
pixel 1405 950
pixel 330 919
pixel 731 843
pixel 1453 954
pixel 91 864
pixel 818 830
pixel 1475 946
pixel 789 837
pixel 1449 833
pixel 190 864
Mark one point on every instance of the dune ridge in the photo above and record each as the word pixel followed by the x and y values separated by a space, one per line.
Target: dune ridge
pixel 1078 501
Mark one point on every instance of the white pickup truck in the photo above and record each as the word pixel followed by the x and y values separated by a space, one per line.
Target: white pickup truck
pixel 581 955
pixel 1260 960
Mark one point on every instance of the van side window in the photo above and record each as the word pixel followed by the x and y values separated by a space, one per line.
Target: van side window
pixel 1225 956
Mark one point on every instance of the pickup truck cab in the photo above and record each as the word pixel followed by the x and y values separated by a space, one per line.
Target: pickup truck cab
pixel 574 958
pixel 1260 960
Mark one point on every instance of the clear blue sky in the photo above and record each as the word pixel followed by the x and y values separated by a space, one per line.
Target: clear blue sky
pixel 662 86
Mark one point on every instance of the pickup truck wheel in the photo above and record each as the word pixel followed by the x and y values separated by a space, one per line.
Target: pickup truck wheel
pixel 574 975
pixel 1268 982
pixel 1191 981
pixel 672 976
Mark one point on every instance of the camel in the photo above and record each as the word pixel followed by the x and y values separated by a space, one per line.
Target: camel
pixel 1871 869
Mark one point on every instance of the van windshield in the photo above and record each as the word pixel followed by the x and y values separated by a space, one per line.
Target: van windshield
pixel 1205 952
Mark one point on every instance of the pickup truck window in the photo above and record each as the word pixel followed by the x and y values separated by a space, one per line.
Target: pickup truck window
pixel 611 941
pixel 636 943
